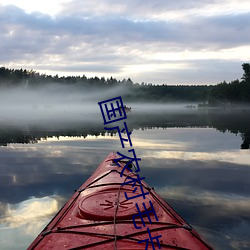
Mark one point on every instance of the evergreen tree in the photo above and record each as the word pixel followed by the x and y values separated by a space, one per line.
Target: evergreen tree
pixel 246 69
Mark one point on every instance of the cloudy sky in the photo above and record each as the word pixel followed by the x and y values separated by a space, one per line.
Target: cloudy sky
pixel 157 41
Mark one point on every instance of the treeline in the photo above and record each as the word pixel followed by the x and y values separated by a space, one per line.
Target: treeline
pixel 237 91
pixel 234 92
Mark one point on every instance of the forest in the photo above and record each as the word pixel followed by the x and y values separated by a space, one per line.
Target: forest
pixel 224 93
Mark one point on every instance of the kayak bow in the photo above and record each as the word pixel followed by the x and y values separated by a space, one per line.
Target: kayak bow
pixel 102 215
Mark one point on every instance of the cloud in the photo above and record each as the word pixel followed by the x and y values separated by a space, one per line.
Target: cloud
pixel 29 210
pixel 26 220
pixel 116 30
pixel 127 39
pixel 150 9
pixel 233 204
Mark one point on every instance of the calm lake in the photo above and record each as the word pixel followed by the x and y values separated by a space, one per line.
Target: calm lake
pixel 198 160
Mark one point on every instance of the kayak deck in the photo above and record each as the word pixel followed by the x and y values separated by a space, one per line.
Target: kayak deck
pixel 102 214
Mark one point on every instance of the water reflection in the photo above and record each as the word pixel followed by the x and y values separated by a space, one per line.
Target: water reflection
pixel 29 210
pixel 193 161
pixel 20 222
pixel 233 121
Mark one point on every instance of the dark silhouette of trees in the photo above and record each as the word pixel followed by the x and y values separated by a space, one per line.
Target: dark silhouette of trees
pixel 236 122
pixel 234 92
pixel 221 94
pixel 246 69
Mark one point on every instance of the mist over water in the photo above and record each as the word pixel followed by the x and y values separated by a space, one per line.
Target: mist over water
pixel 60 102
pixel 55 102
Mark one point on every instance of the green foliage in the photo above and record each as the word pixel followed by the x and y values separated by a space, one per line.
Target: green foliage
pixel 246 75
pixel 234 92
pixel 222 93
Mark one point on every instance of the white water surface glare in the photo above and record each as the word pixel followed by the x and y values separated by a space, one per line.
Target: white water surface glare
pixel 193 158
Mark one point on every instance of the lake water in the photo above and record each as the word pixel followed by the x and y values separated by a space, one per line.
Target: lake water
pixel 193 158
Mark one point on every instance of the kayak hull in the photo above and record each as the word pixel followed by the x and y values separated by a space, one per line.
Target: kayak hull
pixel 102 214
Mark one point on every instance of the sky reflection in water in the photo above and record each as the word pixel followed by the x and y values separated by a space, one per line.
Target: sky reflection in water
pixel 199 171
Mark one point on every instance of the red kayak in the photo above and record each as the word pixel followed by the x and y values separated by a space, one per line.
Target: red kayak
pixel 116 209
